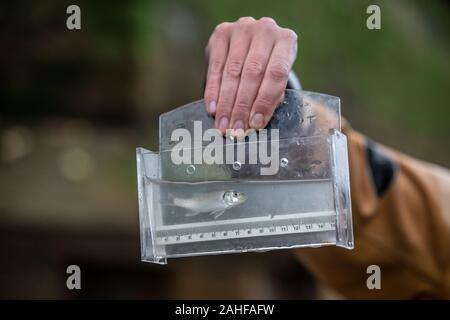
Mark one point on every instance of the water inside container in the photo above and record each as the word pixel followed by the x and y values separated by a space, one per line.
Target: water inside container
pixel 184 203
pixel 272 214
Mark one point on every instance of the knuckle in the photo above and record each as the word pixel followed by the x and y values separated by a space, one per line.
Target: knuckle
pixel 215 67
pixel 210 91
pixel 242 106
pixel 289 35
pixel 242 28
pixel 234 68
pixel 267 27
pixel 220 112
pixel 226 101
pixel 279 71
pixel 268 21
pixel 265 102
pixel 254 68
pixel 246 20
pixel 222 28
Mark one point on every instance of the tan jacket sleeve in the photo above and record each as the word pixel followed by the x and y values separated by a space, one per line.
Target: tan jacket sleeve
pixel 401 216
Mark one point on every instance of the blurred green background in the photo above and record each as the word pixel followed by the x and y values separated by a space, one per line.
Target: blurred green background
pixel 75 104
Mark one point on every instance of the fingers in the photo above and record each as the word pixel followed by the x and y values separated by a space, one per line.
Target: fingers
pixel 248 65
pixel 275 79
pixel 251 78
pixel 217 51
pixel 239 46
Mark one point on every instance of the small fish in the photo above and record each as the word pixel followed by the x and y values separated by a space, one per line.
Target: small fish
pixel 216 202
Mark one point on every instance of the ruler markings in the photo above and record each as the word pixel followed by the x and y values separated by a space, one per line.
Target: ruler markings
pixel 290 226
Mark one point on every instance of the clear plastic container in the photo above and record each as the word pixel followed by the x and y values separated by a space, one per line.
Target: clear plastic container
pixel 285 187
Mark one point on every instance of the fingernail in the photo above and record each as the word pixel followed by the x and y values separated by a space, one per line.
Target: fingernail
pixel 239 124
pixel 257 120
pixel 212 107
pixel 223 124
pixel 238 129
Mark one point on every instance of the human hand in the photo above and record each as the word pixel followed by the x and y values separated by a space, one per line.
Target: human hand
pixel 248 67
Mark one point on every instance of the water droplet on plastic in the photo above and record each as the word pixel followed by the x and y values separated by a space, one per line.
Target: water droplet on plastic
pixel 190 169
pixel 237 165
pixel 284 162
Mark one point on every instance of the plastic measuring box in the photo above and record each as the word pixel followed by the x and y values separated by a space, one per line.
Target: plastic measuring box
pixel 283 187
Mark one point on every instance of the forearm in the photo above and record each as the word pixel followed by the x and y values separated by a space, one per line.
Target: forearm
pixel 401 214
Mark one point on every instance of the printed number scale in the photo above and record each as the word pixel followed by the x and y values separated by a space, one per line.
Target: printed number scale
pixel 245 228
